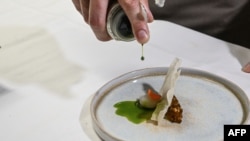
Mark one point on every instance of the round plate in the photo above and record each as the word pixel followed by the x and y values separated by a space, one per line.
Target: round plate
pixel 208 102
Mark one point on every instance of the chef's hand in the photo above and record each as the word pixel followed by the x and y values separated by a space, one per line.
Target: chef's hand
pixel 246 68
pixel 94 13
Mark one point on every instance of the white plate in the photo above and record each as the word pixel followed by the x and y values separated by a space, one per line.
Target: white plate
pixel 208 101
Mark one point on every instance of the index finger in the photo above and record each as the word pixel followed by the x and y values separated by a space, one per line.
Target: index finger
pixel 133 10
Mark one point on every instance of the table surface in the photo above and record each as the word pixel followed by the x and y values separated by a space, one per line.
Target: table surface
pixel 51 64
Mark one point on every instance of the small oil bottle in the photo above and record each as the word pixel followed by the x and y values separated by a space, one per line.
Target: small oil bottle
pixel 118 25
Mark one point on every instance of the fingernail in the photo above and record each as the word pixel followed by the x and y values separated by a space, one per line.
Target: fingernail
pixel 142 36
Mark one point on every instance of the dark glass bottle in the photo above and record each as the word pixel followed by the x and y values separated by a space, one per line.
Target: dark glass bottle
pixel 118 25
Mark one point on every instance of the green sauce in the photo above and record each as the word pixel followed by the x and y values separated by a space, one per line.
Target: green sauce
pixel 133 112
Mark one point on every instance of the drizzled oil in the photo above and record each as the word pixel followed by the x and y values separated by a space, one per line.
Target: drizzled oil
pixel 142 52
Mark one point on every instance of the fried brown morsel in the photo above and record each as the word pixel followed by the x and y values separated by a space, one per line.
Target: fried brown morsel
pixel 174 113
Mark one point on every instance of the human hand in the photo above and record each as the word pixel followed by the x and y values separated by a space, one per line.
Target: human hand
pixel 246 68
pixel 94 13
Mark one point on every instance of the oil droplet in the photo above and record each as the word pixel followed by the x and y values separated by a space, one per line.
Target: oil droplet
pixel 142 51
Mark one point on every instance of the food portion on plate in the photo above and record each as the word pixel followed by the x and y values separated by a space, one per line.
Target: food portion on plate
pixel 155 107
pixel 167 103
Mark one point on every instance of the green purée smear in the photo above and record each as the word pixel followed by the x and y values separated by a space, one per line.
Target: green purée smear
pixel 132 111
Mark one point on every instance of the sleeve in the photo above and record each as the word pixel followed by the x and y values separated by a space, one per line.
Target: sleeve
pixel 224 19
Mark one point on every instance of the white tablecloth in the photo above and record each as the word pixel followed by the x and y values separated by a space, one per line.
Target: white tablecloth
pixel 51 63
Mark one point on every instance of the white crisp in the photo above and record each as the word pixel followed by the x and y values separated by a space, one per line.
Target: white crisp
pixel 167 92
